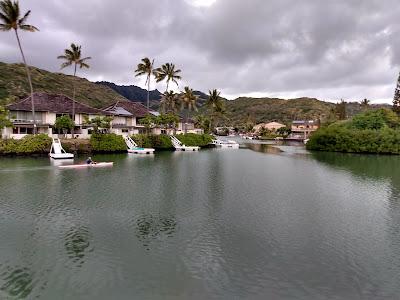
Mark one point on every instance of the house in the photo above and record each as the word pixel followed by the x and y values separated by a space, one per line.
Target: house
pixel 271 126
pixel 126 116
pixel 302 129
pixel 47 108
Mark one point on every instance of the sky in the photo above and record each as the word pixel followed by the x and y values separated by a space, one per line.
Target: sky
pixel 331 50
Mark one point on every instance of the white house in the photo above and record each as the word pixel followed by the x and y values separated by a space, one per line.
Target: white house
pixel 47 108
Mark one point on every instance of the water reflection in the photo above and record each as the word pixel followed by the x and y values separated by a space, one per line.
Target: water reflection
pixel 264 148
pixel 149 228
pixel 77 244
pixel 18 282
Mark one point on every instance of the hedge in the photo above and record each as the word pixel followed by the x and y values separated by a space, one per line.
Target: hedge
pixel 158 142
pixel 30 144
pixel 107 143
pixel 192 139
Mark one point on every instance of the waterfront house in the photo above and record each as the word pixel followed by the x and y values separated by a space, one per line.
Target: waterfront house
pixel 302 129
pixel 271 126
pixel 127 116
pixel 47 108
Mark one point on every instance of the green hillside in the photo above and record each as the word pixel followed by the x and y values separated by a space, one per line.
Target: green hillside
pixel 14 85
pixel 268 109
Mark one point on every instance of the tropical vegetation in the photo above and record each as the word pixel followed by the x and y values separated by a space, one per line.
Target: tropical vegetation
pixel 64 124
pixel 107 143
pixel 188 103
pixel 73 56
pixel 30 144
pixel 169 73
pixel 11 20
pixel 376 131
pixel 146 68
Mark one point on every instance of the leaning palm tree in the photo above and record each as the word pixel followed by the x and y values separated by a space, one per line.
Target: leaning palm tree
pixel 214 103
pixel 73 57
pixel 167 72
pixel 188 102
pixel 146 67
pixel 169 102
pixel 10 18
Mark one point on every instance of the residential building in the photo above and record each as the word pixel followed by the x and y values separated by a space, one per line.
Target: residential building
pixel 302 129
pixel 47 108
pixel 271 126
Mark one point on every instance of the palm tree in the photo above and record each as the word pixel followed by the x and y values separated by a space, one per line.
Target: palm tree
pixel 365 103
pixel 168 72
pixel 188 102
pixel 146 68
pixel 10 16
pixel 72 56
pixel 169 102
pixel 214 102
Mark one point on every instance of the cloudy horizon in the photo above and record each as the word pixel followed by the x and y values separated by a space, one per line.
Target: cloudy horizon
pixel 276 48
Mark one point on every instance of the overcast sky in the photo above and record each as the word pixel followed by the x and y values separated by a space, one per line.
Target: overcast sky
pixel 287 48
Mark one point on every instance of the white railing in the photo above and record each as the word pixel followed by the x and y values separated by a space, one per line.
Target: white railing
pixel 129 142
pixel 175 142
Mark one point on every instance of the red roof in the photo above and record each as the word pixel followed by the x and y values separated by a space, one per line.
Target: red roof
pixel 135 108
pixel 54 103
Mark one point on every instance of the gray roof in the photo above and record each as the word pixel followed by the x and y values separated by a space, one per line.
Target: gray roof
pixel 119 111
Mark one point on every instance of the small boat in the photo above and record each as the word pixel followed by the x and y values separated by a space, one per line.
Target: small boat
pixel 226 144
pixel 92 165
pixel 58 152
pixel 305 141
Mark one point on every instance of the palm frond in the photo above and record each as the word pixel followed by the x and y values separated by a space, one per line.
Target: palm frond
pixel 84 65
pixel 4 18
pixel 66 64
pixel 5 27
pixel 24 18
pixel 30 28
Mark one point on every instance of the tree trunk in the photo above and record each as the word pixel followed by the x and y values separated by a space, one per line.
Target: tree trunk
pixel 167 86
pixel 73 104
pixel 187 117
pixel 148 92
pixel 29 80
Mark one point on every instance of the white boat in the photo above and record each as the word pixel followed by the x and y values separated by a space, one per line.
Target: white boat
pixel 181 147
pixel 133 147
pixel 305 141
pixel 92 165
pixel 226 144
pixel 58 152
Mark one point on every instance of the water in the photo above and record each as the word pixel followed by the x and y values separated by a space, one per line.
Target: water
pixel 255 223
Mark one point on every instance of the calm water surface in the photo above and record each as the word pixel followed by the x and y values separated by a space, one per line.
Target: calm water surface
pixel 255 223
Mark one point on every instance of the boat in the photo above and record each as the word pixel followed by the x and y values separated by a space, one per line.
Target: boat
pixel 226 144
pixel 133 147
pixel 92 165
pixel 58 152
pixel 305 141
pixel 179 146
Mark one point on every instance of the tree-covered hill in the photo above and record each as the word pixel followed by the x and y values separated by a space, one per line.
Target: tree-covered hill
pixel 14 85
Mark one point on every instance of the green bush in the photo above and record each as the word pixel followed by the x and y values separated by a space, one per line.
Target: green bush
pixel 107 143
pixel 158 142
pixel 343 138
pixel 192 139
pixel 30 144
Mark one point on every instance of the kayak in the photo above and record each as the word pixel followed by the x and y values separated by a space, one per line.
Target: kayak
pixel 80 166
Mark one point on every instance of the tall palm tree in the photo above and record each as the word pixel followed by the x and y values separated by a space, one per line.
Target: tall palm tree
pixel 214 103
pixel 72 56
pixel 146 67
pixel 365 103
pixel 167 72
pixel 10 18
pixel 188 102
pixel 169 102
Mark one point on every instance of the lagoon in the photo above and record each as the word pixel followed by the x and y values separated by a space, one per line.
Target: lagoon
pixel 256 223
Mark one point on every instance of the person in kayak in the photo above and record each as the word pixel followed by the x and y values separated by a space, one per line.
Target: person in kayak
pixel 89 161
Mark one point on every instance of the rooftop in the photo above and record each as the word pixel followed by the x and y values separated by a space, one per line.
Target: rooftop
pixel 54 103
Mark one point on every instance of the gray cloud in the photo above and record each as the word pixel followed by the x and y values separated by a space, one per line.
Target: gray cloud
pixel 327 49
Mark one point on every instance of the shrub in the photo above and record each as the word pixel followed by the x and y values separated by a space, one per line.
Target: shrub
pixel 192 139
pixel 30 144
pixel 107 143
pixel 158 142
